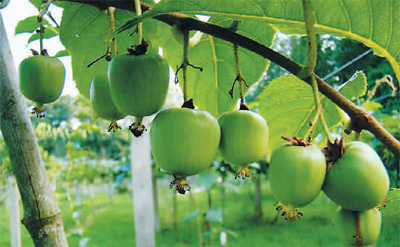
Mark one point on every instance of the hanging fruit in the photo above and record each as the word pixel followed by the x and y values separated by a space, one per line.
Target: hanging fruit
pixel 184 143
pixel 138 85
pixel 102 103
pixel 358 228
pixel 41 79
pixel 357 179
pixel 297 172
pixel 244 139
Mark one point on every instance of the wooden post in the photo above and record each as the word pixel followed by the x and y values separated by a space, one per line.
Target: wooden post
pixel 15 227
pixel 142 188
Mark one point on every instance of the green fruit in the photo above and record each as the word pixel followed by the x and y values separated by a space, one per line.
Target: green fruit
pixel 244 137
pixel 296 177
pixel 358 228
pixel 358 180
pixel 184 141
pixel 41 79
pixel 100 99
pixel 138 84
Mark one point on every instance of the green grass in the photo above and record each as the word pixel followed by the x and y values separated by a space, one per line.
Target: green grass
pixel 111 224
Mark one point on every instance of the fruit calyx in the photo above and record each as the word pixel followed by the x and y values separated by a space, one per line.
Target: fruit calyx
pixel 137 129
pixel 333 152
pixel 188 104
pixel 289 212
pixel 180 184
pixel 243 107
pixel 114 127
pixel 38 111
pixel 243 173
pixel 140 49
pixel 43 52
pixel 294 141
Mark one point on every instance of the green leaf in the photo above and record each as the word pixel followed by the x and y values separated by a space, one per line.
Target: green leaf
pixel 85 32
pixel 29 25
pixel 374 23
pixel 356 86
pixel 210 87
pixel 191 216
pixel 62 53
pixel 49 32
pixel 392 206
pixel 36 3
pixel 287 104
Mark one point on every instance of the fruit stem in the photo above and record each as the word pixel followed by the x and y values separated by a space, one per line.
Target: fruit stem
pixel 357 135
pixel 318 113
pixel 139 25
pixel 311 41
pixel 41 27
pixel 239 77
pixel 325 127
pixel 111 11
pixel 185 63
pixel 359 237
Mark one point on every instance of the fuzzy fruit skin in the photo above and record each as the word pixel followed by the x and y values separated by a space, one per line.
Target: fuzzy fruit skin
pixel 138 84
pixel 370 226
pixel 41 78
pixel 357 181
pixel 244 137
pixel 297 174
pixel 100 98
pixel 184 141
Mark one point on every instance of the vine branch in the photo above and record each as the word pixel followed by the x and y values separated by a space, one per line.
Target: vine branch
pixel 362 118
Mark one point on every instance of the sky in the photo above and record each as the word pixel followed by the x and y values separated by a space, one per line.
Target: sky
pixel 18 10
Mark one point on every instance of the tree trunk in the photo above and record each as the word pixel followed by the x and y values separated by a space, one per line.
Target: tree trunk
pixel 142 190
pixel 42 216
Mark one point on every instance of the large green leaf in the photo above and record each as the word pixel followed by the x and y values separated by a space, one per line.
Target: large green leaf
pixel 287 104
pixel 375 23
pixel 210 87
pixel 85 33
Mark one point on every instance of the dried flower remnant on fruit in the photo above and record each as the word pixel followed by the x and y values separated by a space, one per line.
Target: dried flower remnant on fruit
pixel 243 173
pixel 294 141
pixel 38 111
pixel 289 212
pixel 140 49
pixel 180 184
pixel 114 127
pixel 333 151
pixel 137 129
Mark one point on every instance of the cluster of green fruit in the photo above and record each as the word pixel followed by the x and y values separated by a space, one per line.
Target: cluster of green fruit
pixel 355 179
pixel 185 141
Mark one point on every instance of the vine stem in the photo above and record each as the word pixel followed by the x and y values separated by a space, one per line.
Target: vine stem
pixel 185 63
pixel 307 71
pixel 111 11
pixel 311 41
pixel 140 24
